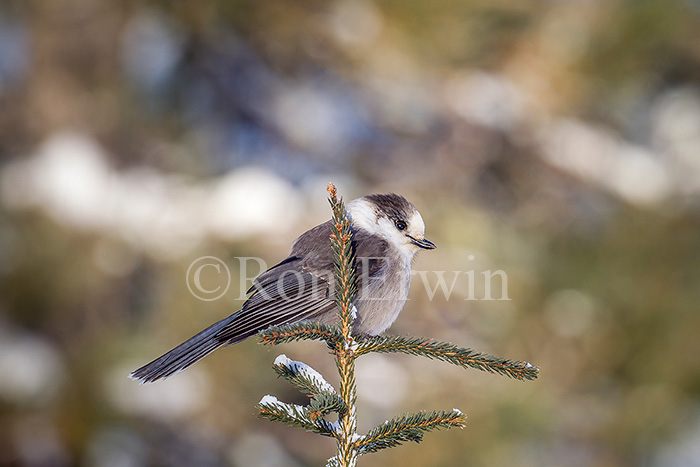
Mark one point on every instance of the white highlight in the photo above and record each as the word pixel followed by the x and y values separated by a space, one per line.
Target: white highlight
pixel 32 370
pixel 306 371
pixel 268 400
pixel 292 410
pixel 70 178
pixel 596 155
pixel 363 216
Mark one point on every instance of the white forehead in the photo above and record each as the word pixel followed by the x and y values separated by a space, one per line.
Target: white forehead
pixel 364 214
pixel 416 223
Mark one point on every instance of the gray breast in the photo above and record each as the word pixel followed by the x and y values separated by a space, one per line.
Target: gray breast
pixel 383 296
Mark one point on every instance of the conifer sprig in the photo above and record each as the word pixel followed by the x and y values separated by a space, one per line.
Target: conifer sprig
pixel 325 403
pixel 345 290
pixel 302 376
pixel 344 260
pixel 447 352
pixel 408 427
pixel 324 399
pixel 295 415
pixel 308 330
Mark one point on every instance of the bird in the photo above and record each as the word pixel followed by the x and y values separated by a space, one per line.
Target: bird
pixel 387 232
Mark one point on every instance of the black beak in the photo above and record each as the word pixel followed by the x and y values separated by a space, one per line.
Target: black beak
pixel 423 243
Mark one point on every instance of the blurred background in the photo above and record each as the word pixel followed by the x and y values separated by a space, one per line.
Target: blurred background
pixel 557 141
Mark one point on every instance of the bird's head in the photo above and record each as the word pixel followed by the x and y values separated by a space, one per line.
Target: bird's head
pixel 393 218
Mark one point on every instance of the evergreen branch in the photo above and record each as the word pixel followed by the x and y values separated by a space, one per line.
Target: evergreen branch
pixel 409 427
pixel 324 399
pixel 324 403
pixel 447 352
pixel 344 260
pixel 334 462
pixel 295 415
pixel 310 330
pixel 345 290
pixel 302 376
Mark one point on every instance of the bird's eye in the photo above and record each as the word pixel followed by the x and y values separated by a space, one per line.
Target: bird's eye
pixel 401 225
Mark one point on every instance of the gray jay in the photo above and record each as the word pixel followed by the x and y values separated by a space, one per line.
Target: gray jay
pixel 387 232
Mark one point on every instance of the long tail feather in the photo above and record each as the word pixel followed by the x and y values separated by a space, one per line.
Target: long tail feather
pixel 184 355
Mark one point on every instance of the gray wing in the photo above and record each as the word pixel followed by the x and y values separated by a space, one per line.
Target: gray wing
pixel 284 294
pixel 301 287
pixel 298 288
